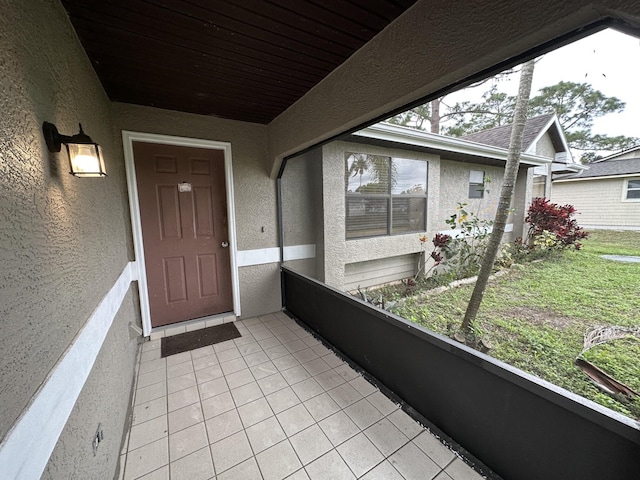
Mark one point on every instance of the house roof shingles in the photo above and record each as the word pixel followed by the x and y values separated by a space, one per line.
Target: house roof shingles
pixel 500 136
pixel 624 166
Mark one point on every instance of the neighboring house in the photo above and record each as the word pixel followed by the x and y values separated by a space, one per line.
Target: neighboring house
pixel 381 189
pixel 607 194
pixel 252 85
pixel 543 136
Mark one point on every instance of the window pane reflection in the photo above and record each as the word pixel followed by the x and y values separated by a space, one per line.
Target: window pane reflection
pixel 408 177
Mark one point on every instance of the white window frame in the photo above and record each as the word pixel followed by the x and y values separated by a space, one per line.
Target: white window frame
pixel 473 181
pixel 625 190
pixel 389 197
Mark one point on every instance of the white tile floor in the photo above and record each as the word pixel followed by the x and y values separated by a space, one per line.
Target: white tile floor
pixel 272 404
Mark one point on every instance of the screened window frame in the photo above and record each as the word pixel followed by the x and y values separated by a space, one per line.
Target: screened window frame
pixel 628 188
pixel 473 185
pixel 388 197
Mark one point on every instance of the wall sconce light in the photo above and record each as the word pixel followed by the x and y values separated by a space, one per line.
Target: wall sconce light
pixel 85 156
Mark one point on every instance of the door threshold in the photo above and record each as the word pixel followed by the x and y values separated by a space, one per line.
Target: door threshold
pixel 190 325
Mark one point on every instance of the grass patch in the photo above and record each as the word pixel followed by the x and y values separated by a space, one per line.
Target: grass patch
pixel 536 317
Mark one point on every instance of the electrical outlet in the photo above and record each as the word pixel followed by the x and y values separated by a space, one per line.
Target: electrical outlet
pixel 97 438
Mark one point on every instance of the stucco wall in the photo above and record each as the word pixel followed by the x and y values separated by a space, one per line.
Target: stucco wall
pixel 301 191
pixel 63 239
pixel 73 455
pixel 254 190
pixel 599 203
pixel 338 250
pixel 545 147
pixel 454 189
pixel 302 218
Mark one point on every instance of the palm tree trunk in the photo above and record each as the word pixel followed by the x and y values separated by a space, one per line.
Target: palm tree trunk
pixel 506 196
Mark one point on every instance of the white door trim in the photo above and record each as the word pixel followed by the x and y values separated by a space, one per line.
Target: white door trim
pixel 128 138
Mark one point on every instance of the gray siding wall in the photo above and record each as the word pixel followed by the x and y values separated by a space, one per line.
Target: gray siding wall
pixel 377 272
pixel 599 203
pixel 63 240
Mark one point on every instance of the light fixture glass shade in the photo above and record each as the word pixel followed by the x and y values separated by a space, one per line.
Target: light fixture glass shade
pixel 86 160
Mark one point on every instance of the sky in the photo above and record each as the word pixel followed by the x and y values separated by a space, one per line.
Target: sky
pixel 608 60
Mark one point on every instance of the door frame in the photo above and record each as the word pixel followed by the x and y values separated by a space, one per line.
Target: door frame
pixel 128 137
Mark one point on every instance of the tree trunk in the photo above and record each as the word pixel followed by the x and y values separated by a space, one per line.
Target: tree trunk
pixel 435 115
pixel 504 204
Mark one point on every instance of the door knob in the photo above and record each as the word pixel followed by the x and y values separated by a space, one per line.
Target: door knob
pixel 225 244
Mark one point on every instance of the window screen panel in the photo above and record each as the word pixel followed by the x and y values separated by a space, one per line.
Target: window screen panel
pixel 633 189
pixel 476 190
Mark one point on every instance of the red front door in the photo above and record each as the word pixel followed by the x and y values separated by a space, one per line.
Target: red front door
pixel 183 211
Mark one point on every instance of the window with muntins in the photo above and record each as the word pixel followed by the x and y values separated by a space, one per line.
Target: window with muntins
pixel 384 195
pixel 633 189
pixel 476 184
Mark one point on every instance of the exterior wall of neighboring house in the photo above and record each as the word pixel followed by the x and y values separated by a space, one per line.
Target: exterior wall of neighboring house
pixel 339 253
pixel 600 203
pixel 454 189
pixel 63 251
pixel 254 193
pixel 542 179
pixel 364 262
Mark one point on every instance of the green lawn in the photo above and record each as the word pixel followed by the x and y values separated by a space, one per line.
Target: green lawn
pixel 535 316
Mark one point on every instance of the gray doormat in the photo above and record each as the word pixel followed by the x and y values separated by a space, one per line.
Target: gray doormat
pixel 185 342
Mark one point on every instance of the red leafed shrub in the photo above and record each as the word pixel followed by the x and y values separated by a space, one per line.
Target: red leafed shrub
pixel 544 216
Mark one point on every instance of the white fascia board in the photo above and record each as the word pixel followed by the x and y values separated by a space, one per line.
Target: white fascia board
pixel 575 167
pixel 554 121
pixel 617 154
pixel 419 138
pixel 608 177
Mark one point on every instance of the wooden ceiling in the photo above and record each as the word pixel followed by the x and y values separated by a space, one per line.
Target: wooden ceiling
pixel 245 60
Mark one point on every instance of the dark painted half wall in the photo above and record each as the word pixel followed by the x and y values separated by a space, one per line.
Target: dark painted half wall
pixel 519 426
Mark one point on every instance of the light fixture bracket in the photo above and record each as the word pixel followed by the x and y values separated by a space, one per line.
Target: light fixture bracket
pixel 91 151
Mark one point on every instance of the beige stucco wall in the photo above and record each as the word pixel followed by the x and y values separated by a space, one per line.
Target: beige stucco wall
pixel 73 455
pixel 63 240
pixel 448 185
pixel 544 147
pixel 302 218
pixel 599 203
pixel 254 190
pixel 429 48
pixel 340 251
pixel 454 189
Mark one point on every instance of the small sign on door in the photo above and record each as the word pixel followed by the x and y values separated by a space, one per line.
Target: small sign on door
pixel 184 187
